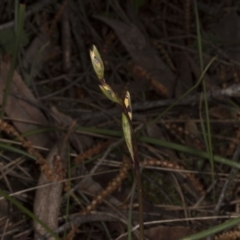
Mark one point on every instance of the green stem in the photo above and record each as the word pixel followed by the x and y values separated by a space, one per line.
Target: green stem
pixel 137 174
pixel 140 201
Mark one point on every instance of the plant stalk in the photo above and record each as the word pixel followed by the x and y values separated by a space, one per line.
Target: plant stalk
pixel 140 201
pixel 137 175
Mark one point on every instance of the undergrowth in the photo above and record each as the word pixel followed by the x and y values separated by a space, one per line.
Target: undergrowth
pixel 172 75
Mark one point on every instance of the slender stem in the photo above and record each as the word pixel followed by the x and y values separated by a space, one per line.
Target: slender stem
pixel 137 174
pixel 140 201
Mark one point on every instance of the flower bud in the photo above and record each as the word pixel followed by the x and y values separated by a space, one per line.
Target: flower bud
pixel 97 63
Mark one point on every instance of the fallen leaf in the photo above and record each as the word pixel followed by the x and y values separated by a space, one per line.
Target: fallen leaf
pixel 48 199
pixel 22 107
pixel 225 30
pixel 154 131
pixel 191 127
pixel 143 53
pixel 36 54
pixel 79 141
pixel 184 79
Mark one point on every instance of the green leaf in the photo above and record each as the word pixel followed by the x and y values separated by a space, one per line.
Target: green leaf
pixel 127 134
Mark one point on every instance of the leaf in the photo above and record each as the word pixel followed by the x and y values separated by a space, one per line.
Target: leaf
pixel 143 53
pixel 226 31
pixel 127 134
pixel 23 106
pixel 185 78
pixel 126 121
pixel 35 55
pixel 52 193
